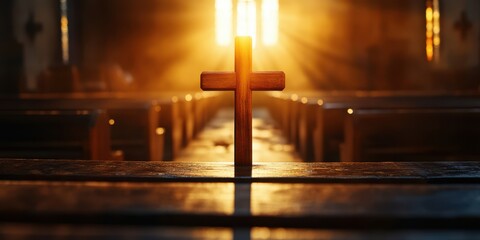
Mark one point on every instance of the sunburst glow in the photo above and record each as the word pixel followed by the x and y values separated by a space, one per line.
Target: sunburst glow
pixel 269 22
pixel 303 51
pixel 247 19
pixel 223 22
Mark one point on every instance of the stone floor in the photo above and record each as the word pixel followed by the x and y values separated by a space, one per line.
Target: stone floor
pixel 215 142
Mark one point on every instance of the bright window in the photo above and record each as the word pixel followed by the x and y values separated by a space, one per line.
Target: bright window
pixel 249 21
pixel 223 22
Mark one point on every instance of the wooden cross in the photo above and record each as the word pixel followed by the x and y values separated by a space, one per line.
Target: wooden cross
pixel 243 81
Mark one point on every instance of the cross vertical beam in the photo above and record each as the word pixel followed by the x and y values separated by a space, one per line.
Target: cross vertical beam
pixel 243 81
pixel 243 102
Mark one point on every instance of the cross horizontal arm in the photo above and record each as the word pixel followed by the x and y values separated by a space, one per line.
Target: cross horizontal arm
pixel 226 81
pixel 267 81
pixel 218 81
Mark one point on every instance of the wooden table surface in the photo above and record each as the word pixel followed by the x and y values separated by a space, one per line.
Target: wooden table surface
pixel 242 204
pixel 276 200
pixel 385 172
pixel 65 231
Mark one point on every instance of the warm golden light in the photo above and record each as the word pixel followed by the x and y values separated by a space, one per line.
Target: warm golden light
pixel 223 22
pixel 247 19
pixel 432 17
pixel 350 111
pixel 198 96
pixel 436 41
pixel 436 25
pixel 294 97
pixel 270 22
pixel 111 122
pixel 188 97
pixel 429 28
pixel 320 102
pixel 304 100
pixel 160 131
pixel 64 31
pixel 429 14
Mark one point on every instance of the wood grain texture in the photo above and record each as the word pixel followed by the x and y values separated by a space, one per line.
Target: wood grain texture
pixel 218 81
pixel 243 102
pixel 346 200
pixel 355 172
pixel 243 81
pixel 351 206
pixel 267 81
pixel 69 231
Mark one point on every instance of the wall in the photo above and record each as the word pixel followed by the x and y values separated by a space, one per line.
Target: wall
pixel 163 44
pixel 327 44
pixel 43 50
pixel 362 44
pixel 10 52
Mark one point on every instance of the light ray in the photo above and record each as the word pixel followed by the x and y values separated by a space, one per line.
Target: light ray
pixel 270 22
pixel 223 22
pixel 247 19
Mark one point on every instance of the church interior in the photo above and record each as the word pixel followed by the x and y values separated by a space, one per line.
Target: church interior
pixel 264 119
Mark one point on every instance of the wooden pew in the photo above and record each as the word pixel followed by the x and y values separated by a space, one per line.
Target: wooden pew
pixel 206 104
pixel 80 199
pixel 182 115
pixel 331 116
pixel 301 118
pixel 173 124
pixel 80 134
pixel 279 105
pixel 177 114
pixel 199 116
pixel 134 123
pixel 188 113
pixel 321 115
pixel 412 135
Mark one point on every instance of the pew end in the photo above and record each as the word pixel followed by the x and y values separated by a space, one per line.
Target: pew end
pixel 412 135
pixel 81 134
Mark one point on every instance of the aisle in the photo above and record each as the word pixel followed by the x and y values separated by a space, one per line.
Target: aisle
pixel 215 142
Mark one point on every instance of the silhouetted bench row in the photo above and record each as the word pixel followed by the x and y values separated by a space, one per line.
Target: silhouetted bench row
pixel 373 126
pixel 81 134
pixel 139 126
